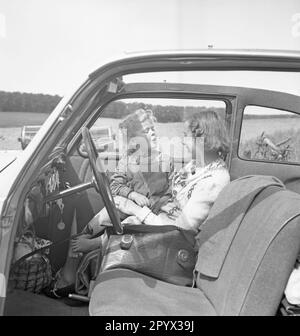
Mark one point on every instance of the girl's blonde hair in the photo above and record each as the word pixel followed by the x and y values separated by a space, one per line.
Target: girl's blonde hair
pixel 133 124
pixel 208 124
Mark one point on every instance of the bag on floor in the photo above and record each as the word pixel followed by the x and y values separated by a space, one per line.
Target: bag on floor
pixel 31 270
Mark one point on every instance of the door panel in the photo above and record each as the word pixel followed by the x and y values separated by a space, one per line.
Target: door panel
pixel 288 174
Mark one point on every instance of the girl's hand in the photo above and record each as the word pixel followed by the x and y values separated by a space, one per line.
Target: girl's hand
pixel 139 199
pixel 126 205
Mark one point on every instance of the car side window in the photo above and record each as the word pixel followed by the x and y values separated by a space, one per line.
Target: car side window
pixel 168 115
pixel 269 134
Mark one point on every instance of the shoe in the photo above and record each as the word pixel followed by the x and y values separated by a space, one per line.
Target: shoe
pixel 54 292
pixel 57 293
pixel 74 303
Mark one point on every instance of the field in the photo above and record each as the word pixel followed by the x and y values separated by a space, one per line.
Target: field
pixel 278 129
pixel 11 124
pixel 19 119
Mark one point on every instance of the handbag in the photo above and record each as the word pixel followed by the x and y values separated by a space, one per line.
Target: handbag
pixel 31 270
pixel 163 252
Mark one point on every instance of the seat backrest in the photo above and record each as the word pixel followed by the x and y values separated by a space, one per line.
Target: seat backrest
pixel 260 259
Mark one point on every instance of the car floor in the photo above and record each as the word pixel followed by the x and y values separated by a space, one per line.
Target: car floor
pixel 22 303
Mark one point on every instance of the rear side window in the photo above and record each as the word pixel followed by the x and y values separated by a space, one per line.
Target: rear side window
pixel 269 134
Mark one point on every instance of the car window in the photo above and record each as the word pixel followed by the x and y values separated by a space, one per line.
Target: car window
pixel 269 134
pixel 169 116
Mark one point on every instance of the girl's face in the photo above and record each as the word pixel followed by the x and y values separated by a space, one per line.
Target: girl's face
pixel 145 138
pixel 149 132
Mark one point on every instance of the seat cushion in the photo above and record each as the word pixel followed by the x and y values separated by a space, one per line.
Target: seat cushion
pixel 122 292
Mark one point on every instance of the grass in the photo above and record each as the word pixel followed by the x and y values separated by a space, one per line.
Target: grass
pixel 19 119
pixel 11 124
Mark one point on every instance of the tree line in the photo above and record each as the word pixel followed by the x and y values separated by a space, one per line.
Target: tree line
pixel 27 102
pixel 44 103
pixel 169 113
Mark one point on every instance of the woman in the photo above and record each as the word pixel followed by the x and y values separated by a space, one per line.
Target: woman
pixel 198 184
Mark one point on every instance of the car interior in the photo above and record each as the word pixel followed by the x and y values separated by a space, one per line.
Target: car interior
pixel 65 188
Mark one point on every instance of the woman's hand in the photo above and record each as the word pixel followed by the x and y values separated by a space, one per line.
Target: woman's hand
pixel 132 220
pixel 126 205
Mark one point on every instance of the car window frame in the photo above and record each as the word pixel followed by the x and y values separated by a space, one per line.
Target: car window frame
pixel 261 160
pixel 163 91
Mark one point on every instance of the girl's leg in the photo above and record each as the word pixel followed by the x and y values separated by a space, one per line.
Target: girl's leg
pixel 85 244
pixel 67 274
pixel 94 226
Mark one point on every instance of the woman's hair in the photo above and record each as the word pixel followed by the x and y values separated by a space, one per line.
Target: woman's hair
pixel 209 125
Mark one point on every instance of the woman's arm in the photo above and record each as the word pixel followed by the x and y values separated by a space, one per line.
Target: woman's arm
pixel 202 198
pixel 143 214
pixel 196 209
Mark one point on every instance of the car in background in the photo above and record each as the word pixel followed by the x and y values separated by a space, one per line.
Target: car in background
pixel 27 134
pixel 104 139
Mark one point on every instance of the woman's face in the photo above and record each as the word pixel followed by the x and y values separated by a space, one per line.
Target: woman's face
pixel 188 142
pixel 194 147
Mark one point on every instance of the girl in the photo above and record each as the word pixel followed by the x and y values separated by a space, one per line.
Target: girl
pixel 135 178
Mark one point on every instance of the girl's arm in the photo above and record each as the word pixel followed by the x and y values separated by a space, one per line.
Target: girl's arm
pixel 119 180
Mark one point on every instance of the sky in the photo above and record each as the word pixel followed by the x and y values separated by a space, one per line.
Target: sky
pixel 51 46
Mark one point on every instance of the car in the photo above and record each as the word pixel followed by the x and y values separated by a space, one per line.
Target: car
pixel 60 170
pixel 103 138
pixel 27 133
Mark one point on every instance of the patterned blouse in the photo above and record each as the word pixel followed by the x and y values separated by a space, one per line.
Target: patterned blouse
pixel 194 190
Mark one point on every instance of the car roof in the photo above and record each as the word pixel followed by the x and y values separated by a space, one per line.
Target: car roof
pixel 261 55
pixel 211 52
